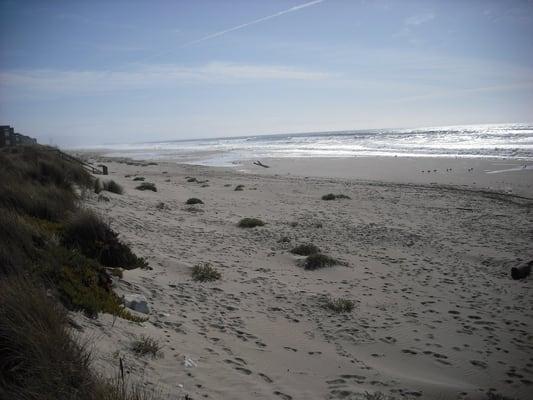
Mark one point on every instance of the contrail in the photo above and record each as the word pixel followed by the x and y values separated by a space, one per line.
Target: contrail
pixel 255 21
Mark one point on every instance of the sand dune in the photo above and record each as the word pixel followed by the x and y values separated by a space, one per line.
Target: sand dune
pixel 436 314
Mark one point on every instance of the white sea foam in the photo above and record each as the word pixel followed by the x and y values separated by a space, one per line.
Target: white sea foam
pixel 514 141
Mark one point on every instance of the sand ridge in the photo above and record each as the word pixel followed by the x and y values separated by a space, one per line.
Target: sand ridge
pixel 436 313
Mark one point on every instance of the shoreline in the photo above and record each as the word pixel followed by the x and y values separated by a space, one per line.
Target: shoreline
pixel 417 260
pixel 481 174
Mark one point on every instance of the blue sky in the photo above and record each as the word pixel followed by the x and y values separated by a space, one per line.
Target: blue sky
pixel 92 72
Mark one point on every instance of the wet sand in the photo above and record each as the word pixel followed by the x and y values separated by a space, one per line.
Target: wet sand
pixel 502 175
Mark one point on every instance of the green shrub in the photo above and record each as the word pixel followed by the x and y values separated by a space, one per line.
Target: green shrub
pixel 340 305
pixel 113 187
pixel 86 232
pixel 192 179
pixel 250 223
pixel 194 200
pixel 146 345
pixel 305 249
pixel 205 272
pixel 147 186
pixel 316 261
pixel 239 188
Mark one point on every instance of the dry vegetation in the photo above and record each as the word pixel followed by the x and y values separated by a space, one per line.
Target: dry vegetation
pixel 250 223
pixel 205 272
pixel 52 258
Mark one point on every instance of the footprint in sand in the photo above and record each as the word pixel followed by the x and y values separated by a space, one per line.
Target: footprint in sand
pixel 266 378
pixel 282 395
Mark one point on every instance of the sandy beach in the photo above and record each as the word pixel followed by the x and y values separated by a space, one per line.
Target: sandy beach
pixel 425 257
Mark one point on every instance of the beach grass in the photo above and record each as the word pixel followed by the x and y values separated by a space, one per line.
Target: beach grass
pixel 339 305
pixel 250 223
pixel 194 200
pixel 318 260
pixel 205 272
pixel 331 196
pixel 147 186
pixel 145 345
pixel 305 249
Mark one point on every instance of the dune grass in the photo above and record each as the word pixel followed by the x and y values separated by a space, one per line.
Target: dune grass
pixel 317 261
pixel 39 359
pixel 52 257
pixel 305 249
pixel 205 272
pixel 194 200
pixel 147 186
pixel 87 233
pixel 339 305
pixel 250 223
pixel 331 196
pixel 146 345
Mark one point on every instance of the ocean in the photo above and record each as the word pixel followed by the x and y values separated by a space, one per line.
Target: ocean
pixel 511 141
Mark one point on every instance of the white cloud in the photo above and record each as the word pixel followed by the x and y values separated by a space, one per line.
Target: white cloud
pixel 78 82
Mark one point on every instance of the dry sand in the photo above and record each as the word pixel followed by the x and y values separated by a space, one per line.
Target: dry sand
pixel 436 315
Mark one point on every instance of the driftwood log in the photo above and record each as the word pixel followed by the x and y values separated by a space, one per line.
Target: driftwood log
pixel 522 271
pixel 259 163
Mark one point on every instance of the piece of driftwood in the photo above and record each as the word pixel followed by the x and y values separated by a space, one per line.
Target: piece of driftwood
pixel 259 163
pixel 522 271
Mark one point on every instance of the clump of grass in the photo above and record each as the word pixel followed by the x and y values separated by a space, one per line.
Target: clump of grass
pixel 191 179
pixel 331 196
pixel 112 186
pixel 316 261
pixel 239 188
pixel 377 396
pixel 205 272
pixel 87 233
pixel 139 178
pixel 146 345
pixel 147 186
pixel 305 249
pixel 194 200
pixel 227 184
pixel 340 305
pixel 37 354
pixel 250 223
